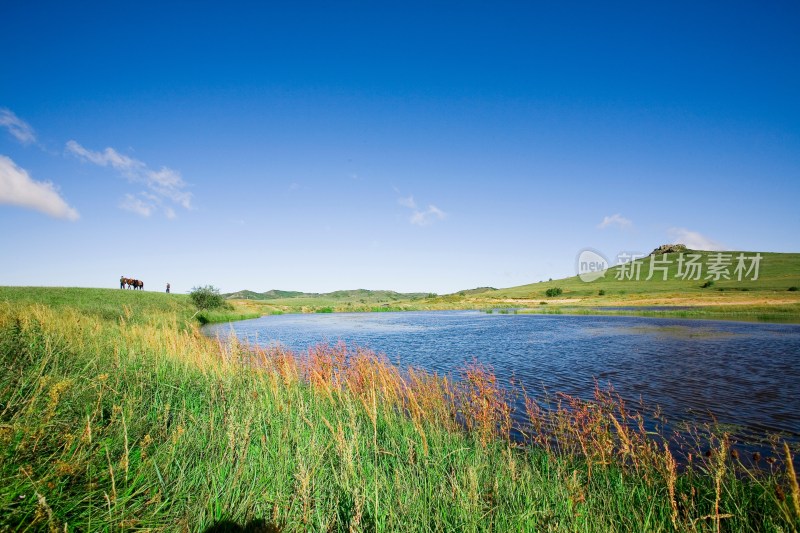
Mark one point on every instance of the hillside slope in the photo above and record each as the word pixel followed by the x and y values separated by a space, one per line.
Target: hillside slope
pixel 698 279
pixel 776 272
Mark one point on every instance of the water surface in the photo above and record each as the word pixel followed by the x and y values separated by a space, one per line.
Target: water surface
pixel 738 373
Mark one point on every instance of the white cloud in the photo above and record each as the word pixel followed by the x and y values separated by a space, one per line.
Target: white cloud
pixel 420 217
pixel 694 240
pixel 407 202
pixel 170 184
pixel 423 218
pixel 17 188
pixel 615 220
pixel 145 204
pixel 137 205
pixel 162 184
pixel 17 127
pixel 108 157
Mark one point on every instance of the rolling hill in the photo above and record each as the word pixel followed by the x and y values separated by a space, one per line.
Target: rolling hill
pixel 361 295
pixel 713 282
pixel 776 272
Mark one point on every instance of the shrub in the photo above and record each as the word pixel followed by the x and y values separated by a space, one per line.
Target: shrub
pixel 207 297
pixel 793 288
pixel 707 284
pixel 554 291
pixel 601 292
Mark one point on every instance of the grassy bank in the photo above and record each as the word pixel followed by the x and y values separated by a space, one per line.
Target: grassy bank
pixel 121 418
pixel 753 312
pixel 225 315
pixel 767 298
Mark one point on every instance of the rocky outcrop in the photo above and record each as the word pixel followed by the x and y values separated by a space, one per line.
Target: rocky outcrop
pixel 669 249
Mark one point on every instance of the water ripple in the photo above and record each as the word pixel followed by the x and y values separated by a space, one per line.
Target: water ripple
pixel 743 374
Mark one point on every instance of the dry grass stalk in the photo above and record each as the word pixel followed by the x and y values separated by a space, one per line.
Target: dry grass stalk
pixel 793 486
pixel 672 478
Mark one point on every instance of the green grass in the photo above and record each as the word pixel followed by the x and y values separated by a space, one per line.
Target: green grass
pixel 768 298
pixel 117 414
pixel 789 313
pixel 128 306
pixel 109 304
pixel 778 272
pixel 225 315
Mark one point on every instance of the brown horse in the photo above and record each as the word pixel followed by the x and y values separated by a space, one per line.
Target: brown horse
pixel 130 283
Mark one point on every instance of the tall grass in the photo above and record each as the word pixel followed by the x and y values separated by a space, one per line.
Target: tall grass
pixel 226 315
pixel 126 422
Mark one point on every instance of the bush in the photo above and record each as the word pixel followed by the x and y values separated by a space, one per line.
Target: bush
pixel 601 292
pixel 793 288
pixel 555 291
pixel 707 284
pixel 207 297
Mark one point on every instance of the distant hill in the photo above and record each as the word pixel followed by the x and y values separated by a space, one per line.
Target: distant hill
pixel 776 272
pixel 268 295
pixel 477 290
pixel 364 294
pixel 354 294
pixel 778 279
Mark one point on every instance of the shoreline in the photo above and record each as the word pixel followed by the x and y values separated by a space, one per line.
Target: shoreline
pixel 783 313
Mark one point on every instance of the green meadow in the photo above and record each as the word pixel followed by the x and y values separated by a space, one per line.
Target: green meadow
pixel 777 272
pixel 770 297
pixel 117 414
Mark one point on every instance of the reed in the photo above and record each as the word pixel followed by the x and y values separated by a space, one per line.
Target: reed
pixel 134 420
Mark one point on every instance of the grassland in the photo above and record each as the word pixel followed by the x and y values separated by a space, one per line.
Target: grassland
pixel 766 298
pixel 117 414
pixel 129 305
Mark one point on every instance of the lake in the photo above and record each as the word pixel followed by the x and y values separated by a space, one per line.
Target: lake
pixel 739 373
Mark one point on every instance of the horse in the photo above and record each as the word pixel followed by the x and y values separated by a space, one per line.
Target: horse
pixel 131 283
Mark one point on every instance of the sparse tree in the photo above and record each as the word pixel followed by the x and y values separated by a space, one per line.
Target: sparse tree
pixel 206 298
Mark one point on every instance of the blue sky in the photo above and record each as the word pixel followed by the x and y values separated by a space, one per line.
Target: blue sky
pixel 414 148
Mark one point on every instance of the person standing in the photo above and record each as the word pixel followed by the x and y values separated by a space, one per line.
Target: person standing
pixel 167 288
